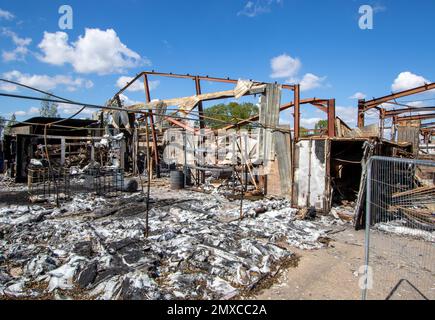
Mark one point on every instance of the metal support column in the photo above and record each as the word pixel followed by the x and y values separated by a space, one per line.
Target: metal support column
pixel 361 113
pixel 297 114
pixel 62 151
pixel 153 129
pixel 331 118
pixel 201 122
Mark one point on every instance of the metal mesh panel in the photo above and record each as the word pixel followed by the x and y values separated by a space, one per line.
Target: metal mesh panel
pixel 60 184
pixel 400 225
pixel 107 182
pixel 49 185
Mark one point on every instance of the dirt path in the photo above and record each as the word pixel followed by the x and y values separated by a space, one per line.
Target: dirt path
pixel 329 273
pixel 401 270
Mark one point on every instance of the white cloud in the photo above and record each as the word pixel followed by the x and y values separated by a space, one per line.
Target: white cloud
pixel 358 95
pixel 15 38
pixel 347 114
pixel 284 66
pixel 33 110
pixel 407 80
pixel 21 50
pixel 311 81
pixel 309 122
pixel 379 8
pixel 254 8
pixel 6 15
pixel 69 109
pixel 136 86
pixel 167 44
pixel 7 86
pixel 44 82
pixel 416 104
pixel 126 101
pixel 97 51
pixel 30 112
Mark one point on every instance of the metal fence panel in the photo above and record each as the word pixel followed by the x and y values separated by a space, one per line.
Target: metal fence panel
pixel 61 184
pixel 400 225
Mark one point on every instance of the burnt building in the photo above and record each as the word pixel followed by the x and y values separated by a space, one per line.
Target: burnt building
pixel 29 139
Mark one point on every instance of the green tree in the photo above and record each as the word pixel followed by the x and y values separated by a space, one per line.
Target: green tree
pixel 303 132
pixel 48 109
pixel 10 123
pixel 321 124
pixel 229 113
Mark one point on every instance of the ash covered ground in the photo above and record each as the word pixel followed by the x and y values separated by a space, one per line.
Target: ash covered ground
pixel 95 248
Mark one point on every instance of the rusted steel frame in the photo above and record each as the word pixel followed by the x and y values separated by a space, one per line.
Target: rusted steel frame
pixel 116 96
pixel 188 76
pixel 361 113
pixel 296 103
pixel 429 124
pixel 206 78
pixel 381 122
pixel 297 113
pixel 391 113
pixel 375 102
pixel 118 101
pixel 180 124
pixel 321 107
pixel 201 174
pixel 416 117
pixel 153 128
pixel 147 89
pixel 331 118
pixel 200 107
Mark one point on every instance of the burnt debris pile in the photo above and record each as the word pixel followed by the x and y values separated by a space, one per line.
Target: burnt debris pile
pixel 94 247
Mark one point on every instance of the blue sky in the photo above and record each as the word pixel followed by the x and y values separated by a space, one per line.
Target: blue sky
pixel 316 43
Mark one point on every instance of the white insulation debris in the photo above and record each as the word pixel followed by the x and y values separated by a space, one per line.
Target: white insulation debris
pixel 196 249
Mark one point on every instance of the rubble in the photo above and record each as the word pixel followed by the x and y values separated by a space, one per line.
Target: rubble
pixel 399 227
pixel 196 249
pixel 109 242
pixel 344 212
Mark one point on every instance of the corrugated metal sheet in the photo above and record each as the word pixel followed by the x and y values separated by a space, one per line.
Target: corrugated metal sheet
pixel 282 149
pixel 409 134
pixel 269 118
